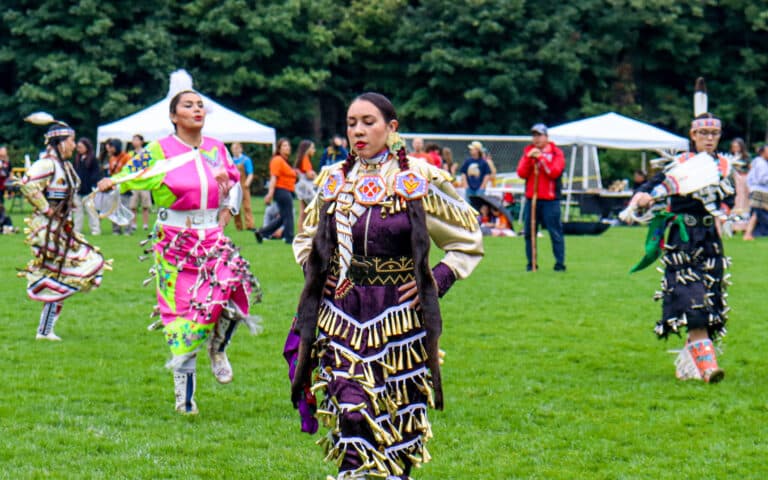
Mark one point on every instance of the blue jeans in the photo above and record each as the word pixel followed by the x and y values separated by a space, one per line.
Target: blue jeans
pixel 284 200
pixel 548 215
pixel 471 191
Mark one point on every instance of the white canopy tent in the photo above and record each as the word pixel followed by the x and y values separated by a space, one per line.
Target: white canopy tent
pixel 221 123
pixel 609 130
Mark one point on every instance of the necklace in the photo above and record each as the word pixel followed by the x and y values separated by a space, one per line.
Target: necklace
pixel 375 161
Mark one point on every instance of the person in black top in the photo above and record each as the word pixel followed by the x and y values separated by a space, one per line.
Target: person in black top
pixel 89 171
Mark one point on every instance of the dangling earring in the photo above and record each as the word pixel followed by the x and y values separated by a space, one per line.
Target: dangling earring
pixel 394 142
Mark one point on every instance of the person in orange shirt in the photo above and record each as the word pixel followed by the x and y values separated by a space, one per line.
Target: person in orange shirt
pixel 117 160
pixel 282 183
pixel 418 149
pixel 304 188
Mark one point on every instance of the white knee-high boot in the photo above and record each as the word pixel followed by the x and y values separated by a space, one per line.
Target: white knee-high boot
pixel 184 386
pixel 48 317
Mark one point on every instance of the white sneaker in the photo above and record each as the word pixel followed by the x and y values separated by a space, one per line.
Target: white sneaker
pixel 51 336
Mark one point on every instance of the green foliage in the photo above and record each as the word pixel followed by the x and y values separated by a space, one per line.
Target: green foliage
pixel 547 376
pixel 476 66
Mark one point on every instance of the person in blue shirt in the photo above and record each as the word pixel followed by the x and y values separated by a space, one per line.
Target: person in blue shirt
pixel 245 165
pixel 475 172
pixel 334 153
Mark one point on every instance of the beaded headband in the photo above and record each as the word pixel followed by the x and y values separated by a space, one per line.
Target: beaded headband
pixel 61 131
pixel 705 123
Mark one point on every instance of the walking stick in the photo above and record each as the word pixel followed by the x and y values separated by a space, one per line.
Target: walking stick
pixel 532 225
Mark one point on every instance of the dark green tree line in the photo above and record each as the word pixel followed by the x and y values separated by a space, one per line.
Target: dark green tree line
pixel 475 66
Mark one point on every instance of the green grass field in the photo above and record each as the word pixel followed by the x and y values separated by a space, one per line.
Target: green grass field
pixel 547 376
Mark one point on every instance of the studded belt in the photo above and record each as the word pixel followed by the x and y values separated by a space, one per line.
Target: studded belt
pixel 698 221
pixel 188 218
pixel 378 271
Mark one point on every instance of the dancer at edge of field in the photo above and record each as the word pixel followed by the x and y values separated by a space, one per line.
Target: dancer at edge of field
pixel 203 284
pixel 694 282
pixel 64 262
pixel 369 316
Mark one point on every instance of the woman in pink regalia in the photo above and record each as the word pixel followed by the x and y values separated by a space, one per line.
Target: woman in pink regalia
pixel 204 286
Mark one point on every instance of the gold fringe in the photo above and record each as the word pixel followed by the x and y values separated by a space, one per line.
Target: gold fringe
pixel 458 214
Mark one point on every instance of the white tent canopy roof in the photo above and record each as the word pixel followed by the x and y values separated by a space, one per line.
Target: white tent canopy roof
pixel 221 123
pixel 612 130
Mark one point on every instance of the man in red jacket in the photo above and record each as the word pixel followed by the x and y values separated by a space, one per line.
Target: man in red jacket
pixel 541 165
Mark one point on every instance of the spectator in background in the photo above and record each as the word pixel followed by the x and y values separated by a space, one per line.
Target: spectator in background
pixel 89 171
pixel 541 166
pixel 103 158
pixel 334 153
pixel 489 160
pixel 418 149
pixel 757 182
pixel 304 187
pixel 139 196
pixel 282 183
pixel 433 155
pixel 448 165
pixel 6 225
pixel 740 162
pixel 475 172
pixel 5 171
pixel 244 219
pixel 117 160
pixel 638 178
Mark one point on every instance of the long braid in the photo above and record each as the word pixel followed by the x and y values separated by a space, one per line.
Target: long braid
pixel 348 163
pixel 426 286
pixel 62 211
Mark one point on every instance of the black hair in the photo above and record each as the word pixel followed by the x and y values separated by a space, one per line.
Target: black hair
pixel 116 144
pixel 89 154
pixel 380 102
pixel 301 151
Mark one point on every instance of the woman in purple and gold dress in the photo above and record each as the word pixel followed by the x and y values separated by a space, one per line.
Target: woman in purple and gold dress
pixel 369 314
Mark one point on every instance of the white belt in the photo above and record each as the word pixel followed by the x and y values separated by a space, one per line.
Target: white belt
pixel 189 218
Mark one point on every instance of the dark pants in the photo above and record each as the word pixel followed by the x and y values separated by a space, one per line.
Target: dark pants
pixel 284 200
pixel 761 229
pixel 548 215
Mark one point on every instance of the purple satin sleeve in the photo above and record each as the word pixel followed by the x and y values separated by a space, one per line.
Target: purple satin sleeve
pixel 444 277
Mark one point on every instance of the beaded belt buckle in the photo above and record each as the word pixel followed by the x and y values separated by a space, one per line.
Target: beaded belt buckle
pixel 379 271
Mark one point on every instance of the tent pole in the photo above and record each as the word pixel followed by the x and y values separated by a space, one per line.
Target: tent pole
pixel 574 149
pixel 597 167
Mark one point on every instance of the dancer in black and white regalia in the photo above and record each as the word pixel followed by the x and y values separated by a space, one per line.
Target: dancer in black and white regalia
pixel 687 197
